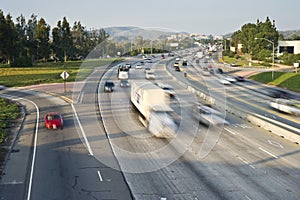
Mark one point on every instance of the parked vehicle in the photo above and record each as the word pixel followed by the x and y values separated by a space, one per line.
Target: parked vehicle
pixel 286 105
pixel 53 120
pixel 153 106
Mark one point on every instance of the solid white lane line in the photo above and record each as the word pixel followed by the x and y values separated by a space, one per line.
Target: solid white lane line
pixel 100 177
pixel 252 166
pixel 230 131
pixel 246 162
pixel 271 154
pixel 34 146
pixel 248 197
pixel 82 131
pixel 35 140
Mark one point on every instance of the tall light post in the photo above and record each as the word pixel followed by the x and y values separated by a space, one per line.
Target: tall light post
pixel 273 54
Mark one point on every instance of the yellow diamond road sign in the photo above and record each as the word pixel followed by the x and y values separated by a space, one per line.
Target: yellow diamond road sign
pixel 64 75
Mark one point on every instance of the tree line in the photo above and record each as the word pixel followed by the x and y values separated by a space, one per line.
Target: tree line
pixel 25 42
pixel 250 36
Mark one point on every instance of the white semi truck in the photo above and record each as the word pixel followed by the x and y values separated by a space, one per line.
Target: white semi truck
pixel 286 105
pixel 153 106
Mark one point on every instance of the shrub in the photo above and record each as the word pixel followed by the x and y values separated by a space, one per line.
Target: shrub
pixel 22 61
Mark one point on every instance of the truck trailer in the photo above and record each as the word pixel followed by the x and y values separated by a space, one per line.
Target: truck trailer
pixel 153 106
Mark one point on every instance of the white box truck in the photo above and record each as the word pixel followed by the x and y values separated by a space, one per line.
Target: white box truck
pixel 153 106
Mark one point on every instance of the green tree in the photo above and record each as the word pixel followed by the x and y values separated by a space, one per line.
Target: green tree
pixel 7 38
pixel 41 35
pixel 62 40
pixel 250 31
pixel 31 43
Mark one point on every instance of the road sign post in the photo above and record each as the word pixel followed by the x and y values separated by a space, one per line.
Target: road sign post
pixel 296 65
pixel 64 76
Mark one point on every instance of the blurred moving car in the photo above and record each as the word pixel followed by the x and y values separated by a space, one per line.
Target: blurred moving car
pixel 275 93
pixel 168 89
pixel 138 66
pixel 219 71
pixel 127 65
pixel 286 105
pixel 230 79
pixel 53 120
pixel 205 71
pixel 148 60
pixel 124 83
pixel 150 75
pixel 176 64
pixel 147 69
pixel 240 78
pixel 208 116
pixel 109 86
pixel 224 81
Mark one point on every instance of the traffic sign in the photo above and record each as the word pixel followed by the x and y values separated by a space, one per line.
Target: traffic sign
pixel 64 75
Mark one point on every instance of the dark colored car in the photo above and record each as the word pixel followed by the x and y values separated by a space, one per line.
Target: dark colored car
pixel 53 120
pixel 109 86
pixel 219 71
pixel 275 93
pixel 240 78
pixel 124 83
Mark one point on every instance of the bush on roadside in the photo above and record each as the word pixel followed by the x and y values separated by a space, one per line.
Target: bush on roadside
pixel 22 61
pixel 9 112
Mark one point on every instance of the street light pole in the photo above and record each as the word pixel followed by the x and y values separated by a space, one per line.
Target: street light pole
pixel 273 54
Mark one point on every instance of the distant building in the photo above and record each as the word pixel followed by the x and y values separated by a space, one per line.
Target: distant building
pixel 177 37
pixel 289 46
pixel 218 37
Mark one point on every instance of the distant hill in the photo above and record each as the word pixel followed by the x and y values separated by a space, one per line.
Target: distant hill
pixel 290 33
pixel 132 32
pixel 286 34
pixel 120 33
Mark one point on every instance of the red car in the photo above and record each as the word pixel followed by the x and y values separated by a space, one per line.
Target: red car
pixel 53 120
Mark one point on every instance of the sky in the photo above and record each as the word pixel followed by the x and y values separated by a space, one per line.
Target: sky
pixel 216 17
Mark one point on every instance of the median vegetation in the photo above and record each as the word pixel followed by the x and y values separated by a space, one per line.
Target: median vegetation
pixel 49 72
pixel 290 81
pixel 9 112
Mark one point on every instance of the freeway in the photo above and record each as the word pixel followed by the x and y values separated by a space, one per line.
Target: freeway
pixel 237 95
pixel 105 153
pixel 54 164
pixel 239 161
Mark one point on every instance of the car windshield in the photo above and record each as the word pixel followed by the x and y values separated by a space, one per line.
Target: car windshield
pixel 53 117
pixel 109 84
